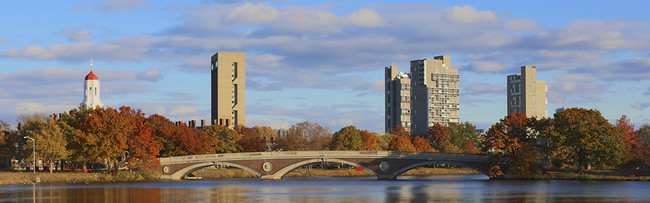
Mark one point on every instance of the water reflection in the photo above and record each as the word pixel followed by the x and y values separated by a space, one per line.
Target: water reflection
pixel 406 189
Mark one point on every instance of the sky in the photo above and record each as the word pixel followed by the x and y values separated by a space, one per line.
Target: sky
pixel 321 61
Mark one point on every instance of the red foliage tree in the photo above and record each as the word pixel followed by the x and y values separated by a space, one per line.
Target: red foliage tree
pixel 634 149
pixel 421 144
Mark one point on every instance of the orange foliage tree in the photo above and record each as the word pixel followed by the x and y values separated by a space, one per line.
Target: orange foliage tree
pixel 421 145
pixel 512 147
pixel 142 147
pixel 634 149
pixel 252 139
pixel 401 143
pixel 369 141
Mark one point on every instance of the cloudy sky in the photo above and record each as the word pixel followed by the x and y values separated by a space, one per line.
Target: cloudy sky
pixel 321 61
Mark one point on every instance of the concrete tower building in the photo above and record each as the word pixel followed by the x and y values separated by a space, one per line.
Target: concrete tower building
pixel 228 89
pixel 434 93
pixel 398 99
pixel 91 90
pixel 526 94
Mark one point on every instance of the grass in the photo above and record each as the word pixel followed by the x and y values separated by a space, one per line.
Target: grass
pixel 10 178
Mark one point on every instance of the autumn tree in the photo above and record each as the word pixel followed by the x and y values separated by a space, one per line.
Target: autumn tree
pixel 644 139
pixel 633 154
pixel 421 145
pixel 50 140
pixel 318 137
pixel 180 140
pixel 369 141
pixel 252 138
pixel 512 146
pixel 142 147
pixel 400 131
pixel 463 135
pixel 292 142
pixel 588 138
pixel 348 138
pixel 401 143
pixel 439 137
pixel 383 141
pixel 227 139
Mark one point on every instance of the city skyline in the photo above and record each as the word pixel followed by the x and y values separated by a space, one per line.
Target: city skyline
pixel 321 61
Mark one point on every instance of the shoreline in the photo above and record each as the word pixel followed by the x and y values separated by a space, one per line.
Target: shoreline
pixel 20 178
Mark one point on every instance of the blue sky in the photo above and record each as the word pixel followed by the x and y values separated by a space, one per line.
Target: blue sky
pixel 321 61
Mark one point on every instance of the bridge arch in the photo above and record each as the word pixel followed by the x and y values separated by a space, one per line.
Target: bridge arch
pixel 189 169
pixel 280 173
pixel 412 166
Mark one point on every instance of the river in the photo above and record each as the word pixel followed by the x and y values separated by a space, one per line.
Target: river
pixel 464 188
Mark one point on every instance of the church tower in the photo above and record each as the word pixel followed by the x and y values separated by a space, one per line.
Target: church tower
pixel 91 90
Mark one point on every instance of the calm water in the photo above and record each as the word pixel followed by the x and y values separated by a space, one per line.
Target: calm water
pixel 324 189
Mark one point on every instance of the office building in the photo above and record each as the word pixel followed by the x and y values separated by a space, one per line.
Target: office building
pixel 526 94
pixel 398 102
pixel 228 89
pixel 434 93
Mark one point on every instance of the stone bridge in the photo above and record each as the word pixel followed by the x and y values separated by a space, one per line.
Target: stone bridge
pixel 386 165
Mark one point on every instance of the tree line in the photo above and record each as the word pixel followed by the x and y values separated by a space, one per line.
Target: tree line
pixel 517 145
pixel 575 138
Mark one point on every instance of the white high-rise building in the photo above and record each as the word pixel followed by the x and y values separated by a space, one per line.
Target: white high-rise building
pixel 91 90
pixel 434 94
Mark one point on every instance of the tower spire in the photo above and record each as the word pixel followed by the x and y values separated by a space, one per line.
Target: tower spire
pixel 91 64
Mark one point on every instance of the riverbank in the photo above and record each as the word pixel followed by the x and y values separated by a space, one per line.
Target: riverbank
pixel 12 178
pixel 613 175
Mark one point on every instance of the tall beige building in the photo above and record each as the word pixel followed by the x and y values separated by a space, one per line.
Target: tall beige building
pixel 398 99
pixel 526 94
pixel 434 93
pixel 228 89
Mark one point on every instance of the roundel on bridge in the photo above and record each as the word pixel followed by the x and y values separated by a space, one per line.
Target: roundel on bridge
pixel 383 166
pixel 166 169
pixel 267 166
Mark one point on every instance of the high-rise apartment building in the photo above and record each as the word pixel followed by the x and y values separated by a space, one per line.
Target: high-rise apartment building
pixel 398 102
pixel 434 93
pixel 228 89
pixel 526 94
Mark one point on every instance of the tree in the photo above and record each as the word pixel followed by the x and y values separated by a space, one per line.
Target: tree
pixel 252 138
pixel 348 138
pixel 50 140
pixel 461 133
pixel 142 147
pixel 226 138
pixel 512 146
pixel 318 137
pixel 369 141
pixel 588 138
pixel 400 131
pixel 644 139
pixel 401 143
pixel 421 145
pixel 633 147
pixel 292 142
pixel 439 137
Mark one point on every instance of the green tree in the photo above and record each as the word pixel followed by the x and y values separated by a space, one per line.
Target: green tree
pixel 348 138
pixel 588 138
pixel 50 141
pixel 462 134
pixel 227 139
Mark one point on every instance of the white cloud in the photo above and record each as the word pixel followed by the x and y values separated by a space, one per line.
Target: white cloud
pixel 78 52
pixel 487 66
pixel 31 107
pixel 574 77
pixel 468 14
pixel 640 106
pixel 518 24
pixel 150 75
pixel 121 5
pixel 182 110
pixel 75 34
pixel 484 88
pixel 364 18
pixel 254 13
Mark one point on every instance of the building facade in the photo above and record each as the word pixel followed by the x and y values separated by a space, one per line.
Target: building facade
pixel 228 83
pixel 91 90
pixel 398 102
pixel 526 94
pixel 434 93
